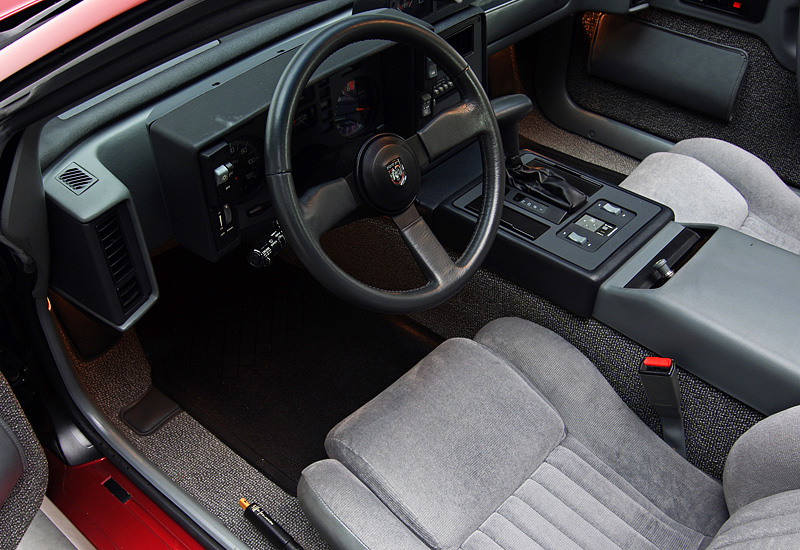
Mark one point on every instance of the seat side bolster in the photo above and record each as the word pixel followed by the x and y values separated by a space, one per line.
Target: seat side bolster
pixel 764 461
pixel 12 459
pixel 771 522
pixel 348 514
pixel 695 192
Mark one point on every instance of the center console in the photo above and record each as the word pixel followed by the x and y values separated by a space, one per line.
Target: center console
pixel 722 304
pixel 563 256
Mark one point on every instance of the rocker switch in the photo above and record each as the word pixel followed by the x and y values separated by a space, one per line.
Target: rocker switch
pixel 576 238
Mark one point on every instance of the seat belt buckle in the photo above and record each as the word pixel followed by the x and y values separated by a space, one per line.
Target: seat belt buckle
pixel 660 380
pixel 661 366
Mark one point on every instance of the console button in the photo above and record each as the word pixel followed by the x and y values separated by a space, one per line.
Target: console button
pixel 612 208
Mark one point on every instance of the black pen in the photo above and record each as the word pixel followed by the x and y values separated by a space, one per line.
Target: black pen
pixel 274 532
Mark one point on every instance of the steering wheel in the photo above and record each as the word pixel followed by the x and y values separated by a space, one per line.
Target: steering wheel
pixel 388 170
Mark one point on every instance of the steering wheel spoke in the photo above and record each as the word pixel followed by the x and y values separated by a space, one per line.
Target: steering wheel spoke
pixel 325 205
pixel 429 253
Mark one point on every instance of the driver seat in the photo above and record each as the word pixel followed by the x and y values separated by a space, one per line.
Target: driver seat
pixel 516 441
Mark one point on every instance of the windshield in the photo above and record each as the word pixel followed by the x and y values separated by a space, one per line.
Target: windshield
pixel 56 31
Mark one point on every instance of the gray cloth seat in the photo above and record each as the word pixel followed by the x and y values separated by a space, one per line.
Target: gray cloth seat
pixel 708 181
pixel 516 441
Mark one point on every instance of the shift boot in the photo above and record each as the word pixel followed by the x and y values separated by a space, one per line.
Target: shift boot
pixel 545 184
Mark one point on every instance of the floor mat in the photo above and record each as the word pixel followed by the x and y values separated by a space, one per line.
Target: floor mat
pixel 269 361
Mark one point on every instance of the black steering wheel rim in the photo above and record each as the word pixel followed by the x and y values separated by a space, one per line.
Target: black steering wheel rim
pixel 473 117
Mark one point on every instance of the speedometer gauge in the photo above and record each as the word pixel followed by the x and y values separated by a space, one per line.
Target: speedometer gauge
pixel 245 159
pixel 354 107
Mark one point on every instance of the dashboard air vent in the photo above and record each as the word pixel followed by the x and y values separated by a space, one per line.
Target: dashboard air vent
pixel 123 272
pixel 463 41
pixel 76 179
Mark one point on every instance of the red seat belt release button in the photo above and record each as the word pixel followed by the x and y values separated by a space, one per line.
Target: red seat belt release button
pixel 657 365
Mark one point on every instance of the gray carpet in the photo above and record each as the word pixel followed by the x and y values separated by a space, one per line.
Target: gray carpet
pixel 537 128
pixel 189 454
pixel 766 120
pixel 22 503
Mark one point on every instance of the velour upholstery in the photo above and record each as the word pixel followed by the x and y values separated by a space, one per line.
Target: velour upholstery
pixel 711 181
pixel 764 461
pixel 767 524
pixel 514 440
pixel 447 481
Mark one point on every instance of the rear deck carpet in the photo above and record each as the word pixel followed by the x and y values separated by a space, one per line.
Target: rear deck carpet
pixel 269 361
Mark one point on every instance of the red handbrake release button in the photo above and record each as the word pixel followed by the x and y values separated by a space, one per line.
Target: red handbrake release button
pixel 663 362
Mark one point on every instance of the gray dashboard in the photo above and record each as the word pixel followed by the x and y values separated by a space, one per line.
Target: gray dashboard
pixel 156 171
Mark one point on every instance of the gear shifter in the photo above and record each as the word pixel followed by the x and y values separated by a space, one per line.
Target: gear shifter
pixel 542 183
pixel 509 111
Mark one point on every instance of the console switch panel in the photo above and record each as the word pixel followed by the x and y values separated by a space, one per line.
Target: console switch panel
pixel 596 225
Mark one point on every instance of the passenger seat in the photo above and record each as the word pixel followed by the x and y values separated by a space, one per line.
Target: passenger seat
pixel 708 181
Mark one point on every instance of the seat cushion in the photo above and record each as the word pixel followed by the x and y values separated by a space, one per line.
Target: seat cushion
pixel 446 444
pixel 767 196
pixel 569 504
pixel 773 208
pixel 706 180
pixel 596 416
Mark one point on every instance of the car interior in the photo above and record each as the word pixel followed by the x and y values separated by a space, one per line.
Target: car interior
pixel 419 274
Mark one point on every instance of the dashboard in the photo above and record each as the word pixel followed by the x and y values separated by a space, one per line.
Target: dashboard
pixel 210 148
pixel 191 166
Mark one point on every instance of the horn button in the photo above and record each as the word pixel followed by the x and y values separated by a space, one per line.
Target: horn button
pixel 388 173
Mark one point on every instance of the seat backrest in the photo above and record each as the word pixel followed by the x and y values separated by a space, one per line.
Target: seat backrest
pixel 761 482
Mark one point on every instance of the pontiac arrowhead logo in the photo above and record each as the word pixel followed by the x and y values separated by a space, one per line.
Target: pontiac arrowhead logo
pixel 397 172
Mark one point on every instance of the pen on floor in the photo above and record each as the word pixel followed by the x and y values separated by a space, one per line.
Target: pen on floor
pixel 274 532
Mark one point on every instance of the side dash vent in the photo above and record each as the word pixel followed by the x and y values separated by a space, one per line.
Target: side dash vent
pixel 120 264
pixel 463 41
pixel 76 179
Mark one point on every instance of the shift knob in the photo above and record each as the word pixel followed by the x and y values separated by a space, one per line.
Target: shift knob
pixel 510 110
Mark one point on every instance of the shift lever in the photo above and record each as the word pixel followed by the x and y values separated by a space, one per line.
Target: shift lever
pixel 539 182
pixel 510 110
